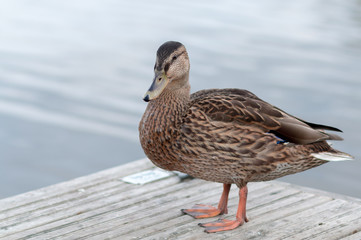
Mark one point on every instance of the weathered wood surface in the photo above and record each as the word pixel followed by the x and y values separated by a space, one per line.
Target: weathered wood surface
pixel 100 206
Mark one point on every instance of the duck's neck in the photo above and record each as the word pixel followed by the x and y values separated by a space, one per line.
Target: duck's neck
pixel 165 113
pixel 172 104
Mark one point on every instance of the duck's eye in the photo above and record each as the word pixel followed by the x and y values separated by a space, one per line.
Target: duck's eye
pixel 166 67
pixel 174 58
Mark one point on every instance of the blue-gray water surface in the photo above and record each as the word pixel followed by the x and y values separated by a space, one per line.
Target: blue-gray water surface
pixel 73 73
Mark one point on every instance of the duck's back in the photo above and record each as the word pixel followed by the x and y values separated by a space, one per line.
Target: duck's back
pixel 238 106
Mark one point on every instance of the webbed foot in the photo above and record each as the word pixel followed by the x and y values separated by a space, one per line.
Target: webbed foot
pixel 222 225
pixel 202 211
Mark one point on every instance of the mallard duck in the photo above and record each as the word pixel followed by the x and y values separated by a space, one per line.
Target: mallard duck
pixel 228 136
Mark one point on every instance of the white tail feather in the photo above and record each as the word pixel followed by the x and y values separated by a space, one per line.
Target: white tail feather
pixel 332 157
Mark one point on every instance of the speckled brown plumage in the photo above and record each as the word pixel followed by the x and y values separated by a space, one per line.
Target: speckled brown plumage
pixel 223 135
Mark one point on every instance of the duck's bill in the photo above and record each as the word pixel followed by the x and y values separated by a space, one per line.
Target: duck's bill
pixel 160 81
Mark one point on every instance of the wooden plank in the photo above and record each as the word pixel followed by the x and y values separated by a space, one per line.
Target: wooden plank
pixel 336 228
pixel 310 218
pixel 64 213
pixel 355 234
pixel 142 215
pixel 257 191
pixel 346 225
pixel 99 206
pixel 55 191
pixel 104 190
pixel 256 198
pixel 253 229
pixel 32 214
pixel 137 215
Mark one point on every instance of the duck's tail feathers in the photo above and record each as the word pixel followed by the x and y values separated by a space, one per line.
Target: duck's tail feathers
pixel 333 136
pixel 333 156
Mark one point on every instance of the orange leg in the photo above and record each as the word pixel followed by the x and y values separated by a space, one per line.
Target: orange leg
pixel 206 211
pixel 224 224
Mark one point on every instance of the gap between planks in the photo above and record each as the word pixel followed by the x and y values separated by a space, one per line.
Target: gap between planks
pixel 99 206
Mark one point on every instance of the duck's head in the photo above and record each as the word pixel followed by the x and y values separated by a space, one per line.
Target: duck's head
pixel 171 69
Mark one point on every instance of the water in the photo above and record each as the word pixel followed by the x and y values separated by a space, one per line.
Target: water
pixel 72 75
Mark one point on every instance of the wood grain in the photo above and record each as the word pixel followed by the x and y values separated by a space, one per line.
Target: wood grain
pixel 100 206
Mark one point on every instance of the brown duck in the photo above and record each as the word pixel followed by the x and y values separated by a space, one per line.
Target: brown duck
pixel 224 135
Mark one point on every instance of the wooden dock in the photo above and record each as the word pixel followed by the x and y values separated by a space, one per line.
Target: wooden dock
pixel 102 206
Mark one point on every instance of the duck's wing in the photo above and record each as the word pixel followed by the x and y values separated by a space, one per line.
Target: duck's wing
pixel 241 107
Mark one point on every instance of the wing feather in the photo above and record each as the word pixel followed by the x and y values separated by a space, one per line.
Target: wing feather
pixel 244 108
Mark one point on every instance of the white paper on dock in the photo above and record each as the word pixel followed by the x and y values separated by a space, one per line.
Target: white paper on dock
pixel 146 176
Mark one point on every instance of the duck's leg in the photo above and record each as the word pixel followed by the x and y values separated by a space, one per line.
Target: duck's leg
pixel 224 224
pixel 206 211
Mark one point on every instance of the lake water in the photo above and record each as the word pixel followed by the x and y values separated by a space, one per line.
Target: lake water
pixel 73 73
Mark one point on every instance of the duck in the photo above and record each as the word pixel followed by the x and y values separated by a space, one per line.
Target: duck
pixel 229 136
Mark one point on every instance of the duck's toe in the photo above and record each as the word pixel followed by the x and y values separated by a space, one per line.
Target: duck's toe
pixel 202 211
pixel 222 225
